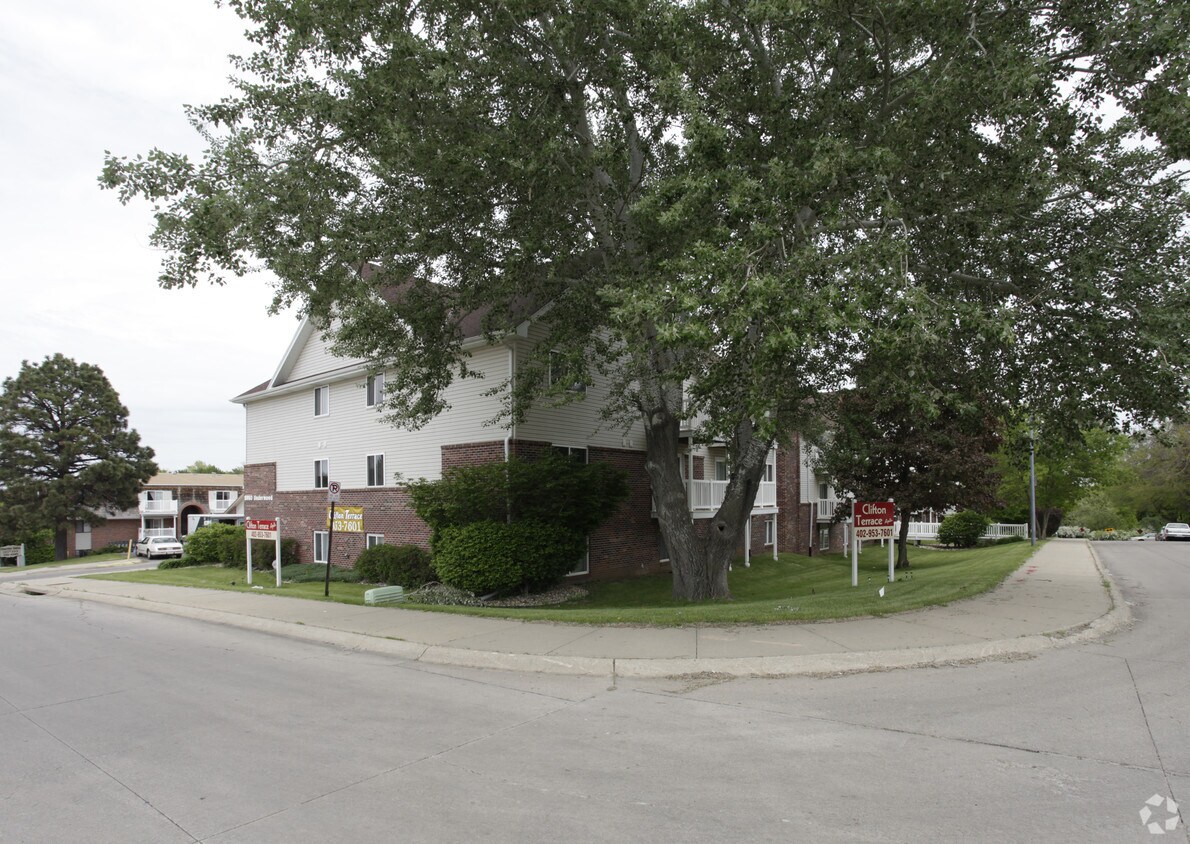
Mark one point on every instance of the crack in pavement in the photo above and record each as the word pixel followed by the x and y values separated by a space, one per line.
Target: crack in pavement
pixel 1164 773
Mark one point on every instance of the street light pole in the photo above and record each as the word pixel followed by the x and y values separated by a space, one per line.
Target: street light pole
pixel 1032 491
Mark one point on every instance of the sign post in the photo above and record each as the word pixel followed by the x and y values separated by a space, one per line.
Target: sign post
pixel 332 498
pixel 264 529
pixel 871 520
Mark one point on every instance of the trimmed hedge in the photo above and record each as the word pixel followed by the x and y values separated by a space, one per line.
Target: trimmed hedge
pixel 395 565
pixel 488 556
pixel 217 544
pixel 179 563
pixel 963 530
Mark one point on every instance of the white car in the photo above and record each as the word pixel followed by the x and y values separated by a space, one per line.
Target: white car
pixel 1175 530
pixel 158 546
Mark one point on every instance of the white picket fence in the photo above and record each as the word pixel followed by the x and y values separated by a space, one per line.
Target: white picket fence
pixel 929 530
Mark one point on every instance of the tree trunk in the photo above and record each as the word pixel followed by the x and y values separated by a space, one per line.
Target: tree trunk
pixel 700 563
pixel 1043 522
pixel 903 541
pixel 60 543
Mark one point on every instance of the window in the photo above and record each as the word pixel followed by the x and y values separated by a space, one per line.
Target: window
pixel 720 470
pixel 222 499
pixel 320 546
pixel 770 472
pixel 375 470
pixel 822 488
pixel 824 538
pixel 583 564
pixel 376 390
pixel 322 473
pixel 322 400
pixel 374 539
pixel 564 372
pixel 770 531
pixel 82 527
pixel 574 452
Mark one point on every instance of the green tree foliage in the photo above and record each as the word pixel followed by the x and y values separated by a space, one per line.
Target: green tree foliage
pixel 66 451
pixel 918 427
pixel 1157 487
pixel 1097 511
pixel 199 467
pixel 1068 467
pixel 717 199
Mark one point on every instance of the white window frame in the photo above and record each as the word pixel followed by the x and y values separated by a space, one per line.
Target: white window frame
pixel 374 394
pixel 770 472
pixel 572 451
pixel 321 537
pixel 824 533
pixel 371 475
pixel 222 498
pixel 556 372
pixel 585 562
pixel 720 461
pixel 770 531
pixel 323 405
pixel 371 540
pixel 326 476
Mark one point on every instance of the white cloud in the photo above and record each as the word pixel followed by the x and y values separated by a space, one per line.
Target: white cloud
pixel 78 275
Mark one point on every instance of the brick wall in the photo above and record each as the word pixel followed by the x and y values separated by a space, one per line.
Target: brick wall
pixel 626 544
pixel 472 454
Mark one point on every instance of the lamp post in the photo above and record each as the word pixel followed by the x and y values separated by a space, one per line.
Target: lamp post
pixel 1032 490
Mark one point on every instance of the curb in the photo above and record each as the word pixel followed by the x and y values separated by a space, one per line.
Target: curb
pixel 1117 618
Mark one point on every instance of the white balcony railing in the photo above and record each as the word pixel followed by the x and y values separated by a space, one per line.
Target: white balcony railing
pixel 708 495
pixel 159 506
pixel 826 508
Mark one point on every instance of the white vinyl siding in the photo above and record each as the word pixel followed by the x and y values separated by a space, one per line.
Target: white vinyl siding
pixel 579 421
pixel 315 358
pixel 375 469
pixel 281 429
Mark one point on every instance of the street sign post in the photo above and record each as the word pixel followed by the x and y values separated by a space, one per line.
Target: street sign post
pixel 332 498
pixel 264 529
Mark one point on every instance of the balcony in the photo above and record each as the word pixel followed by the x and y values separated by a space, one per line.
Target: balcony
pixel 826 508
pixel 148 533
pixel 159 506
pixel 707 496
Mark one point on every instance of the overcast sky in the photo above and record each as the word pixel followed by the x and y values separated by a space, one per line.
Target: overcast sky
pixel 77 274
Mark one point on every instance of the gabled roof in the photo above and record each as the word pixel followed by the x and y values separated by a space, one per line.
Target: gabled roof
pixel 471 325
pixel 168 479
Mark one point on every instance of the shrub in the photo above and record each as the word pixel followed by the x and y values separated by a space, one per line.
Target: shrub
pixel 113 548
pixel 397 565
pixel 485 557
pixel 962 530
pixel 178 562
pixel 218 544
pixel 39 545
pixel 264 551
pixel 316 573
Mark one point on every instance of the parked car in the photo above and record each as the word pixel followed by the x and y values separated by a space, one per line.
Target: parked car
pixel 158 546
pixel 1144 537
pixel 1175 530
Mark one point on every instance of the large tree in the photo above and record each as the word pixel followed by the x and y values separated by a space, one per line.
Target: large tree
pixel 66 451
pixel 714 197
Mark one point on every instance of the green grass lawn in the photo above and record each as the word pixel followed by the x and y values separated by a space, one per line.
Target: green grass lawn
pixel 792 588
pixel 232 579
pixel 73 561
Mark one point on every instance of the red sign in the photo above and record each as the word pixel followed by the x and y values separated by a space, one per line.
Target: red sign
pixel 874 513
pixel 260 528
pixel 874 519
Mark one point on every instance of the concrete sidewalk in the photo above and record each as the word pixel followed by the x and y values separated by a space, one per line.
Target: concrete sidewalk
pixel 1061 595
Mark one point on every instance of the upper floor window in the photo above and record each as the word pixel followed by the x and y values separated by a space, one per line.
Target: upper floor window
pixel 720 470
pixel 322 400
pixel 222 499
pixel 322 473
pixel 770 472
pixel 376 390
pixel 822 490
pixel 564 373
pixel 375 470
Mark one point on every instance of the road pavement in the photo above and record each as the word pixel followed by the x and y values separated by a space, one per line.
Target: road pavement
pixel 130 726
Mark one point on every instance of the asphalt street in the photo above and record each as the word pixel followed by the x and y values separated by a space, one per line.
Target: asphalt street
pixel 120 725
